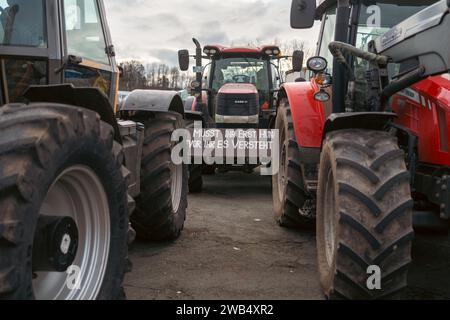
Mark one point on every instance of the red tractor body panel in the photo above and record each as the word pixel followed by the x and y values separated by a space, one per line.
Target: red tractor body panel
pixel 425 110
pixel 307 114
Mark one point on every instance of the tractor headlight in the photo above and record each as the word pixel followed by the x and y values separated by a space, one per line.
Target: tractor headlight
pixel 269 52
pixel 195 84
pixel 212 51
pixel 317 64
pixel 207 52
pixel 276 52
pixel 322 96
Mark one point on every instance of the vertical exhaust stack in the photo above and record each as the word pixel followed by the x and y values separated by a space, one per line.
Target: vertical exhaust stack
pixel 198 90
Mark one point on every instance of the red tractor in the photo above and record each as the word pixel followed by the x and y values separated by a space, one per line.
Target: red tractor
pixel 236 90
pixel 366 139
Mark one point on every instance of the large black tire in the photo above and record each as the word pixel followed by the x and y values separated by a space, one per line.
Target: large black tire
pixel 38 142
pixel 195 170
pixel 209 170
pixel 195 178
pixel 157 216
pixel 364 215
pixel 288 187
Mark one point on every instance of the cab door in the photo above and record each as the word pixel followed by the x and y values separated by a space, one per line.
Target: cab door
pixel 327 35
pixel 88 51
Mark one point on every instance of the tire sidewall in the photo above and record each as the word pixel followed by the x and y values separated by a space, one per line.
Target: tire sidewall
pixel 326 272
pixel 96 155
pixel 281 124
pixel 180 215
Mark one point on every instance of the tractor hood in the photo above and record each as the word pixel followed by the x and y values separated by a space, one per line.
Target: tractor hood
pixel 238 88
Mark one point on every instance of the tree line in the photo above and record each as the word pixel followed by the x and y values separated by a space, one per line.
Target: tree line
pixel 160 76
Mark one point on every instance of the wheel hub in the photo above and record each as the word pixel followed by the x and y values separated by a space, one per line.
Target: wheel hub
pixel 74 232
pixel 55 243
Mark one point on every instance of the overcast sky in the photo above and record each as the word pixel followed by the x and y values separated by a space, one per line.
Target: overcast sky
pixel 153 31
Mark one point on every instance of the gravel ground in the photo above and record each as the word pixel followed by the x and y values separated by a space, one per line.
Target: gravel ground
pixel 231 248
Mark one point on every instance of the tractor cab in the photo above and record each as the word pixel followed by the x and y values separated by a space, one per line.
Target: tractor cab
pixel 241 84
pixel 356 23
pixel 34 50
pixel 238 85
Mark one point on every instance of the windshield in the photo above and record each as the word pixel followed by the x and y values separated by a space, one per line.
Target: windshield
pixel 241 70
pixel 375 19
pixel 22 23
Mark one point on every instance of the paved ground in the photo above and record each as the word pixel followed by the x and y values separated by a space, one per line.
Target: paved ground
pixel 232 249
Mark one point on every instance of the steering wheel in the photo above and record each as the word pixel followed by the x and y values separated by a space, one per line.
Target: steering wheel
pixel 241 78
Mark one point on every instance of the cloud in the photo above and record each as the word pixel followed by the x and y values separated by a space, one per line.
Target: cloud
pixel 153 31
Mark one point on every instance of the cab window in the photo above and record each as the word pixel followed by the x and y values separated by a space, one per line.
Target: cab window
pixel 328 27
pixel 205 79
pixel 20 74
pixel 374 20
pixel 84 32
pixel 22 23
pixel 276 79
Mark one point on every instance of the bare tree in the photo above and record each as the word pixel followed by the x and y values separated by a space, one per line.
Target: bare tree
pixel 174 78
pixel 133 76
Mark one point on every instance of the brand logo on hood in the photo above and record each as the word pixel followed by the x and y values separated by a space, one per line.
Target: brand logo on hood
pixel 241 101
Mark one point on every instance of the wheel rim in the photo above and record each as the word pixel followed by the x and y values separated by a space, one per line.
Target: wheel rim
pixel 282 172
pixel 78 193
pixel 176 175
pixel 329 219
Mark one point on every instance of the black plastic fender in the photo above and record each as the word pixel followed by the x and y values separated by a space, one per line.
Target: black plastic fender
pixel 358 120
pixel 89 98
pixel 153 101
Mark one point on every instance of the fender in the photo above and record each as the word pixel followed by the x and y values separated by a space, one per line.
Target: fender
pixel 89 98
pixel 188 104
pixel 194 116
pixel 204 100
pixel 358 120
pixel 153 101
pixel 307 114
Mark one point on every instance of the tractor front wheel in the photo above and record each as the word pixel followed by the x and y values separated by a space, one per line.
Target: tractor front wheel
pixel 63 205
pixel 195 178
pixel 364 216
pixel 292 204
pixel 161 206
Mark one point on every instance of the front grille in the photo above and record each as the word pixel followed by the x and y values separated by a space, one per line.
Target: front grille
pixel 237 104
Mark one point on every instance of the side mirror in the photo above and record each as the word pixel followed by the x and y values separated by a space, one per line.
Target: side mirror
pixel 297 60
pixel 303 13
pixel 183 59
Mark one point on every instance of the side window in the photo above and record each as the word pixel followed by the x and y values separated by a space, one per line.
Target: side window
pixel 20 74
pixel 275 77
pixel 22 23
pixel 84 32
pixel 206 72
pixel 329 22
